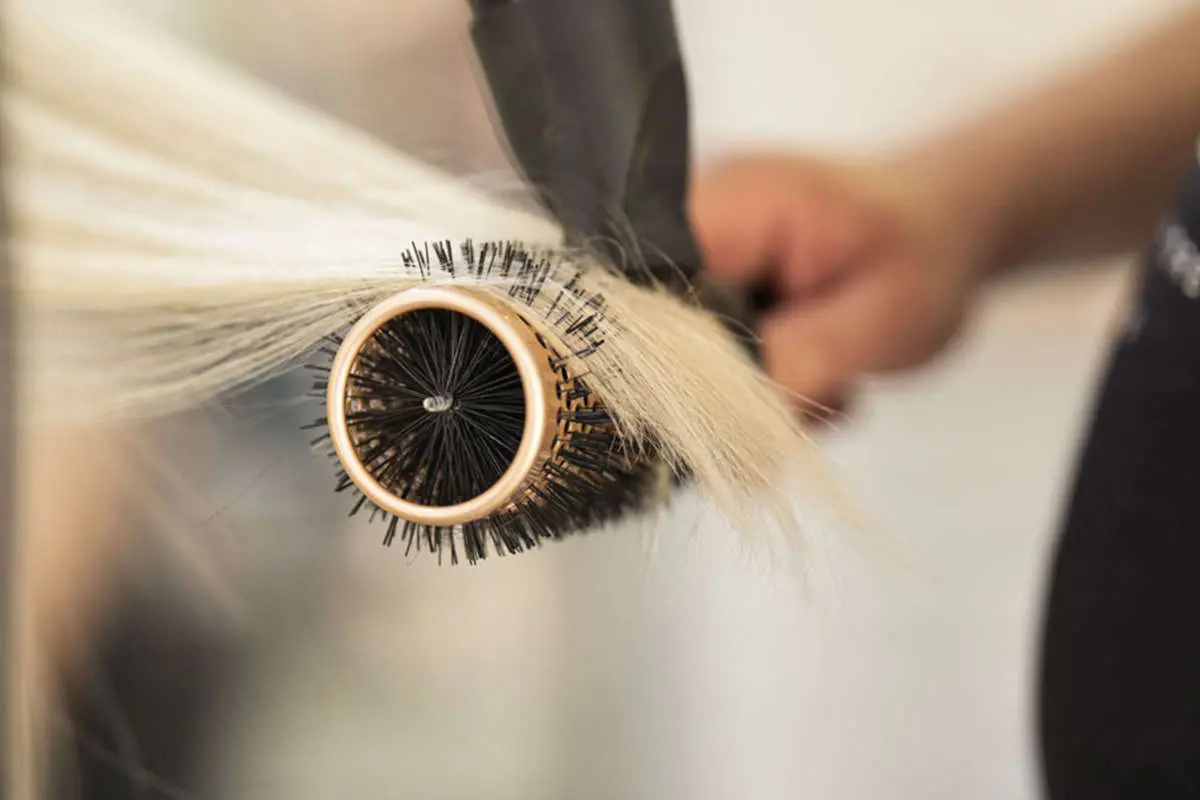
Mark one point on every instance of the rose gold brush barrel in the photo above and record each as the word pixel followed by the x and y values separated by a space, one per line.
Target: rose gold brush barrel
pixel 538 383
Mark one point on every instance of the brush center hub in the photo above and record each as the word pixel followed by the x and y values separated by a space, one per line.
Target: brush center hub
pixel 438 403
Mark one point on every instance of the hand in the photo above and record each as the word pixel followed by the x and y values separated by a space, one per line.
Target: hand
pixel 875 266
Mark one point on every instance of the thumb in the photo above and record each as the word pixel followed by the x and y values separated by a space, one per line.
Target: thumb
pixel 818 348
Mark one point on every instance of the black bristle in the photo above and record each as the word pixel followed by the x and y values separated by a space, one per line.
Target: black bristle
pixel 444 401
pixel 437 413
pixel 445 257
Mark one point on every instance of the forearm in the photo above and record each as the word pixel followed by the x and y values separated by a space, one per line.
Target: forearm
pixel 1084 166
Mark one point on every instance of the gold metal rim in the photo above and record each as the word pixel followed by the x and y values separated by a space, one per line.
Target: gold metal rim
pixel 537 382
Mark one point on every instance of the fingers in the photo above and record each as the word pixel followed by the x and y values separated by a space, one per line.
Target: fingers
pixel 741 224
pixel 856 294
pixel 799 357
pixel 773 221
pixel 816 350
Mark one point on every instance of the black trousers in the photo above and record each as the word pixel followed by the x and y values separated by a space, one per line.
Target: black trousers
pixel 1119 710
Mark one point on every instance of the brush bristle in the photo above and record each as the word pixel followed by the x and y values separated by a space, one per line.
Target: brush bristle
pixel 437 410
pixel 439 407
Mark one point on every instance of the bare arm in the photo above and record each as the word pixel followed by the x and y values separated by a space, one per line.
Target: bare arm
pixel 1084 166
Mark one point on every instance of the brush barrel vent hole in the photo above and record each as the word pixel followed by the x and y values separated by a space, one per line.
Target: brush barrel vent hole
pixel 442 406
pixel 436 407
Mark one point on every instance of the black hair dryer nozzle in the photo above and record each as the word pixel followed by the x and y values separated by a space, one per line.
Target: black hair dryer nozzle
pixel 592 99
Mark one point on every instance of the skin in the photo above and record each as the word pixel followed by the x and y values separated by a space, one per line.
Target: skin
pixel 879 263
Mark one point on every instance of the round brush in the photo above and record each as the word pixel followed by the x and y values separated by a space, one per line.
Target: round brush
pixel 450 413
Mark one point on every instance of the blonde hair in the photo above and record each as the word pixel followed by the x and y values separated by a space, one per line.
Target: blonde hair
pixel 180 233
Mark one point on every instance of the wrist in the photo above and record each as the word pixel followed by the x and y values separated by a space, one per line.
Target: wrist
pixel 970 198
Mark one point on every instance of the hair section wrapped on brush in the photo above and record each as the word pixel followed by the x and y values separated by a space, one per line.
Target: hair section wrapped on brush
pixel 182 233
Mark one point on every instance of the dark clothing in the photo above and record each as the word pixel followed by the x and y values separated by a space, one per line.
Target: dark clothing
pixel 1120 692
